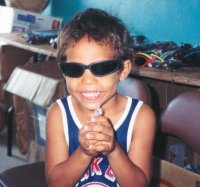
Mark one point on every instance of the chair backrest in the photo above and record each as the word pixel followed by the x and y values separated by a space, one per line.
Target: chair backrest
pixel 135 88
pixel 30 175
pixel 181 118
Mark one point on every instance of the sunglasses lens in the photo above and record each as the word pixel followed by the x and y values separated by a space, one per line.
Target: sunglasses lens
pixel 140 61
pixel 71 69
pixel 104 68
pixel 75 70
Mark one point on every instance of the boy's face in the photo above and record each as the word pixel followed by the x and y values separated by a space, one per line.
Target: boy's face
pixel 89 91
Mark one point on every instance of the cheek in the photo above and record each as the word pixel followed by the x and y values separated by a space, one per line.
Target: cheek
pixel 111 84
pixel 71 85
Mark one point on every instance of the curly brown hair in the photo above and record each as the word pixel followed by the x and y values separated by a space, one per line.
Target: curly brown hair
pixel 99 26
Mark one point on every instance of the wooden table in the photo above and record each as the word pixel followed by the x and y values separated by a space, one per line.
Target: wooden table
pixel 187 76
pixel 166 85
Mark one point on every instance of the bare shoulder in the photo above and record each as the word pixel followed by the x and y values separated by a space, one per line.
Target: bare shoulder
pixel 53 108
pixel 141 147
pixel 145 120
pixel 55 139
pixel 54 117
pixel 53 111
pixel 147 110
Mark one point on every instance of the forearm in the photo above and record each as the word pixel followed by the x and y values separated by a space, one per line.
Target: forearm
pixel 69 172
pixel 125 171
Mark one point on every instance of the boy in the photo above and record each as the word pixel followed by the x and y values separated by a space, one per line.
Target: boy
pixel 113 148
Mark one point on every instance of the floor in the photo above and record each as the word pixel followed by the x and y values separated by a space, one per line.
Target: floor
pixel 9 161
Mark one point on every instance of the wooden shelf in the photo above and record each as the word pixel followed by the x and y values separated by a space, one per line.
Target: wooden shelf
pixel 17 40
pixel 188 76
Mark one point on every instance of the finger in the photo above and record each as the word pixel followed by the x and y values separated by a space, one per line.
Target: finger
pixel 87 127
pixel 106 122
pixel 103 148
pixel 86 144
pixel 91 142
pixel 99 127
pixel 101 119
pixel 98 137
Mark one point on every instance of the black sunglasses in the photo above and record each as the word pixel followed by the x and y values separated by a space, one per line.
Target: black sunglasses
pixel 99 69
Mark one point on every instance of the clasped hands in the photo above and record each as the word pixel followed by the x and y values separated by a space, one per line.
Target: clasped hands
pixel 97 136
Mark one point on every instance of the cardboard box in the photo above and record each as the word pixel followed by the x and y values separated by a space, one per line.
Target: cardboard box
pixel 15 20
pixel 34 88
pixel 166 174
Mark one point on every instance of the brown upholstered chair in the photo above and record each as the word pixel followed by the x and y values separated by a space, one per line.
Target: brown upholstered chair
pixel 180 119
pixel 135 88
pixel 30 175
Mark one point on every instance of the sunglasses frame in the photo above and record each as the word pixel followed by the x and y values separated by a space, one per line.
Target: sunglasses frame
pixel 118 62
pixel 150 58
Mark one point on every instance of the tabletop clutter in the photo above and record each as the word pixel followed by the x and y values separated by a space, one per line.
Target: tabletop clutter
pixel 168 54
pixel 41 29
pixel 37 28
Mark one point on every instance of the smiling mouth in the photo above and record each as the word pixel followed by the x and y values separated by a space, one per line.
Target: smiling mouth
pixel 90 95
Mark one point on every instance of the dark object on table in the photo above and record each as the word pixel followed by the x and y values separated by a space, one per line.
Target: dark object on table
pixel 192 57
pixel 41 36
pixel 2 2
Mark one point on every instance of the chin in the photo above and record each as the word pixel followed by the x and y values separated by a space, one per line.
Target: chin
pixel 92 107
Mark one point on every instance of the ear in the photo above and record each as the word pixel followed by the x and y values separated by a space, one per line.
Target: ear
pixel 127 66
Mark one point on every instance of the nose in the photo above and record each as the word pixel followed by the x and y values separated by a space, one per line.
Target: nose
pixel 88 77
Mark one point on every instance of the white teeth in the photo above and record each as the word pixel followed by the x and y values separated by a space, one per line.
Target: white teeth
pixel 90 94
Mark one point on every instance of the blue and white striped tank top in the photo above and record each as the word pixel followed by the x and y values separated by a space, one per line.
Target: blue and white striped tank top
pixel 99 172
